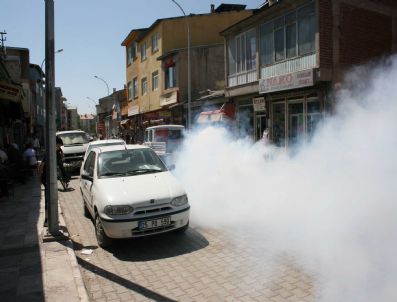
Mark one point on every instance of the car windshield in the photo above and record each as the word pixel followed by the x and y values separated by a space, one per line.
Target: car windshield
pixel 129 162
pixel 90 147
pixel 77 138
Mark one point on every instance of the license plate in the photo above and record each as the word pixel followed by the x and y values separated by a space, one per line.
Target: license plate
pixel 155 223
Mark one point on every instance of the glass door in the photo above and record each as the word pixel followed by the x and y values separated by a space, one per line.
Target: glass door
pixel 260 121
pixel 278 124
pixel 296 123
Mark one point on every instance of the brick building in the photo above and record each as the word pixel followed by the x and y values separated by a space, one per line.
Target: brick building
pixel 284 61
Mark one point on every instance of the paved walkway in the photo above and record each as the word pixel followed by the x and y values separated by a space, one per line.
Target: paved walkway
pixel 31 270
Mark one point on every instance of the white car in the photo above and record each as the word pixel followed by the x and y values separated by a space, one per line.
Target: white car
pixel 129 192
pixel 103 143
pixel 75 144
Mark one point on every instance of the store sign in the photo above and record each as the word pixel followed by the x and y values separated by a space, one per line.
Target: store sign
pixel 133 110
pixel 169 99
pixel 164 113
pixel 287 81
pixel 9 92
pixel 259 104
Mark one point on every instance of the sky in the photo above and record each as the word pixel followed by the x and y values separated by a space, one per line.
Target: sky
pixel 90 33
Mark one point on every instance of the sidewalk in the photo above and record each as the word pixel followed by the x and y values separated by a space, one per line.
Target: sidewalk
pixel 30 269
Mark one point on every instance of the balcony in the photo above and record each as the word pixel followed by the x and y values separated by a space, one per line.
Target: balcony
pixel 242 78
pixel 289 66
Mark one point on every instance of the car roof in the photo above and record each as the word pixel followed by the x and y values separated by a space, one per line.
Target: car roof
pixel 119 147
pixel 106 141
pixel 69 131
pixel 167 127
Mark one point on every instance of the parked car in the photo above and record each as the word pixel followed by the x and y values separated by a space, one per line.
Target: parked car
pixel 102 143
pixel 165 140
pixel 129 192
pixel 75 143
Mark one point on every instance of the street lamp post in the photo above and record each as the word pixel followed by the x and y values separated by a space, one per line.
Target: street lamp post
pixel 42 63
pixel 189 88
pixel 107 86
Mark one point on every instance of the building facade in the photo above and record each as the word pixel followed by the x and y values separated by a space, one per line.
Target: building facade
pixel 37 110
pixel 284 61
pixel 88 123
pixel 15 96
pixel 156 64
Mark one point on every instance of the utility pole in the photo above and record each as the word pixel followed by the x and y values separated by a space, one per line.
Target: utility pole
pixel 3 39
pixel 51 161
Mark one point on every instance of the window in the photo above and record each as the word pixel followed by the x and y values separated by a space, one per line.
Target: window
pixel 130 91
pixel 279 47
pixel 131 52
pixel 266 43
pixel 306 29
pixel 143 52
pixel 155 42
pixel 170 80
pixel 242 52
pixel 155 80
pixel 288 36
pixel 135 87
pixel 144 86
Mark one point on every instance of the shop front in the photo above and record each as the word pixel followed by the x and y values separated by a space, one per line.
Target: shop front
pixel 295 104
pixel 172 112
pixel 12 129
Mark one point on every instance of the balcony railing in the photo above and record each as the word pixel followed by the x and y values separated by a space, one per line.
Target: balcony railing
pixel 242 78
pixel 289 66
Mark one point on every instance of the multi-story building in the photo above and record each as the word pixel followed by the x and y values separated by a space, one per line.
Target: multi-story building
pixel 284 61
pixel 64 114
pixel 11 111
pixel 88 123
pixel 156 64
pixel 109 114
pixel 73 118
pixel 16 63
pixel 37 110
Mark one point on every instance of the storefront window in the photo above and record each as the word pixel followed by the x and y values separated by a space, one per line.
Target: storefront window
pixel 246 121
pixel 278 125
pixel 313 116
pixel 296 123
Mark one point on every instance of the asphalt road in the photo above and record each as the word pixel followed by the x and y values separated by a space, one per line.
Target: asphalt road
pixel 203 264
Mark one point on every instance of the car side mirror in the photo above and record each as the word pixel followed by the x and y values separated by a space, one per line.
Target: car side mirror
pixel 87 176
pixel 171 167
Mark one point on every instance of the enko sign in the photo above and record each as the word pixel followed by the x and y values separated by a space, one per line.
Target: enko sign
pixel 287 81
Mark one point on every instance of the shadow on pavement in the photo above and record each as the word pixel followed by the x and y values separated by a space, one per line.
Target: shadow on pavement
pixel 158 246
pixel 20 261
pixel 123 282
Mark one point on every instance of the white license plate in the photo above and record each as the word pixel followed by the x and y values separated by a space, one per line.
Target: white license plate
pixel 155 223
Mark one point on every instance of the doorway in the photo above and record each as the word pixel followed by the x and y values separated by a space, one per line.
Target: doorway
pixel 261 125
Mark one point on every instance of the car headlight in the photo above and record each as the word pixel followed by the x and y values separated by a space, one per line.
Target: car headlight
pixel 179 201
pixel 118 210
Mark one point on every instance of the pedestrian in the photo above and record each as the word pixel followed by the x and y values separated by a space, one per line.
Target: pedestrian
pixel 266 136
pixel 59 162
pixel 3 156
pixel 36 143
pixel 29 156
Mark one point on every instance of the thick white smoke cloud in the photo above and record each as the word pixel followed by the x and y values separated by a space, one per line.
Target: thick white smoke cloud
pixel 333 205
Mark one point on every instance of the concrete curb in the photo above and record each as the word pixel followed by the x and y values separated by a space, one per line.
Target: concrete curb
pixel 62 278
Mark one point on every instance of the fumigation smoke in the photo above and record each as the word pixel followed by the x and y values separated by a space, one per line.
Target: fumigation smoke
pixel 333 205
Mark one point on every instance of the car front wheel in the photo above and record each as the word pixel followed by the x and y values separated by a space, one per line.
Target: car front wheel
pixel 102 239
